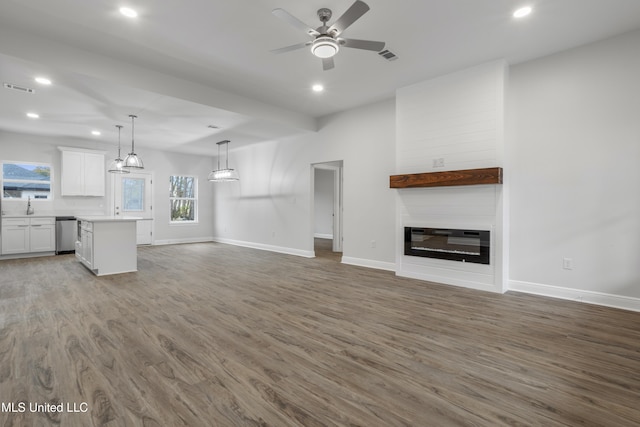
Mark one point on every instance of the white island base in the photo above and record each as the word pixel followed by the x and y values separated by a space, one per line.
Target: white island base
pixel 107 244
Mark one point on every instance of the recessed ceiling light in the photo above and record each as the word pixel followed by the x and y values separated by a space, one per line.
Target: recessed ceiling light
pixel 522 12
pixel 128 12
pixel 95 132
pixel 317 88
pixel 33 115
pixel 43 80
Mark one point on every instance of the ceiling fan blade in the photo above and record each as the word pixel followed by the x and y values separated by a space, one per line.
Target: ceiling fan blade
pixel 290 48
pixel 362 44
pixel 286 16
pixel 352 14
pixel 327 64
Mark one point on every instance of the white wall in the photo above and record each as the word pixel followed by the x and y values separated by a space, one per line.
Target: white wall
pixel 270 207
pixel 575 180
pixel 32 148
pixel 323 203
pixel 458 117
pixel 163 164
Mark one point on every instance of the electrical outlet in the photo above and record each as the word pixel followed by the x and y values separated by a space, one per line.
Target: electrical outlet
pixel 567 263
pixel 438 163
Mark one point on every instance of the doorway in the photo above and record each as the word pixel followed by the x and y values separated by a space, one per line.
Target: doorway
pixel 327 209
pixel 132 196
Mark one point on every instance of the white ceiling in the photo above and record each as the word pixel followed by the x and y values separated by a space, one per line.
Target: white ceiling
pixel 224 45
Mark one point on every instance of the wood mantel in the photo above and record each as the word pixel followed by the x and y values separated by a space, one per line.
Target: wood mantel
pixel 447 178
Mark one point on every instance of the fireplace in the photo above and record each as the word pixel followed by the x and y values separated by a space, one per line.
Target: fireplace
pixel 446 243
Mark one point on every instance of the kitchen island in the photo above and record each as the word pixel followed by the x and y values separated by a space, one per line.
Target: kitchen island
pixel 107 244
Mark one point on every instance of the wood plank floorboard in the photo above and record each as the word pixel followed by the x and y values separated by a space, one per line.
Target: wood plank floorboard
pixel 323 248
pixel 216 335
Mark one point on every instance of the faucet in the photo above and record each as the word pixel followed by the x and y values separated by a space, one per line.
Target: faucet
pixel 29 207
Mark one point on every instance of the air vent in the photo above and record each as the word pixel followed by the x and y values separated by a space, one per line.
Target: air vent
pixel 19 88
pixel 388 55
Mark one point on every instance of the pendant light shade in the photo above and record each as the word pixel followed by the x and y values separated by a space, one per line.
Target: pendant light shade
pixel 117 165
pixel 226 174
pixel 132 161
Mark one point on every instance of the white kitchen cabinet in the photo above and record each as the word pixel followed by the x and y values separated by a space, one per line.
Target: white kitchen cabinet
pixel 144 231
pixel 15 236
pixel 94 174
pixel 42 235
pixel 88 249
pixel 28 235
pixel 72 177
pixel 83 172
pixel 107 245
pixel 84 251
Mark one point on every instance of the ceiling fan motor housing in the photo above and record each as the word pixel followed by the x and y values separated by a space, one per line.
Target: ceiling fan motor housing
pixel 324 14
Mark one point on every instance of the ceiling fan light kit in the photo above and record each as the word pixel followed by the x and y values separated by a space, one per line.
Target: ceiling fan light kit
pixel 327 40
pixel 324 47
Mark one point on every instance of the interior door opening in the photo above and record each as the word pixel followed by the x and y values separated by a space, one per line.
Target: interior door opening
pixel 327 209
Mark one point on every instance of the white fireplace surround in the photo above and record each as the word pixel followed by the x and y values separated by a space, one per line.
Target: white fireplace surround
pixel 456 120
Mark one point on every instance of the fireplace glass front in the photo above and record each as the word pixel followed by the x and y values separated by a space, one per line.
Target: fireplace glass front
pixel 447 243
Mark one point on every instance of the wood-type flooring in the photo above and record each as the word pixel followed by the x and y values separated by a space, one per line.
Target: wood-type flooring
pixel 216 335
pixel 323 248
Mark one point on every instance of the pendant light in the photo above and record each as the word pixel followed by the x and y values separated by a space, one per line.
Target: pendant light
pixel 132 160
pixel 116 166
pixel 226 174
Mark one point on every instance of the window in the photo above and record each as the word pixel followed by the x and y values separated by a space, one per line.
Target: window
pixel 23 180
pixel 183 197
pixel 132 194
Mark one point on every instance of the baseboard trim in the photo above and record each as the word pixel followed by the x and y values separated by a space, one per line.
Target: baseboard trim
pixel 323 236
pixel 264 247
pixel 361 262
pixel 449 281
pixel 578 295
pixel 181 241
pixel 27 255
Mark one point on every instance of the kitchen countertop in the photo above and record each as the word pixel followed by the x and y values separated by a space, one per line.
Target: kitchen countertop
pixel 45 215
pixel 85 217
pixel 108 218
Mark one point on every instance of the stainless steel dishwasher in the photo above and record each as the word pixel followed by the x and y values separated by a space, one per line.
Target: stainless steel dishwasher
pixel 66 234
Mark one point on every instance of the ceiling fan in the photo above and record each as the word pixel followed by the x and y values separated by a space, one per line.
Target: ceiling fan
pixel 326 39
